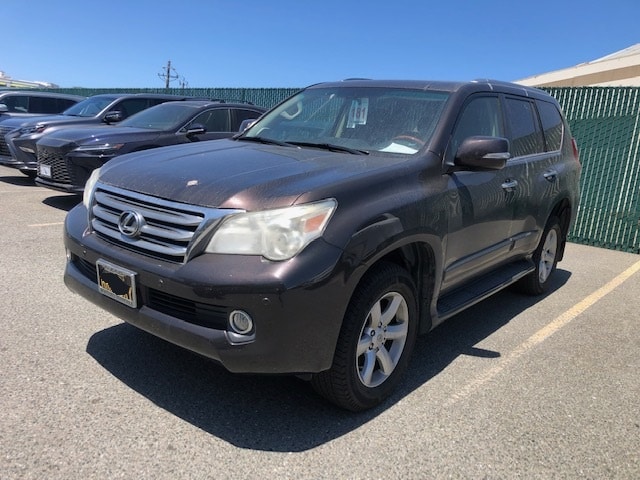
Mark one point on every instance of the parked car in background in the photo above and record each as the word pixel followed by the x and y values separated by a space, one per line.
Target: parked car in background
pixel 18 136
pixel 347 220
pixel 67 157
pixel 26 103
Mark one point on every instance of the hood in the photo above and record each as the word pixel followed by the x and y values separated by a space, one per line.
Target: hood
pixel 95 134
pixel 34 120
pixel 236 174
pixel 56 120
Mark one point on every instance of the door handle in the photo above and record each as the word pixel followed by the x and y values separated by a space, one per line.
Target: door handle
pixel 550 175
pixel 509 185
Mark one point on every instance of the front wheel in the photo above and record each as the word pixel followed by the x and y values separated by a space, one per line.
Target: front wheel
pixel 545 259
pixel 375 342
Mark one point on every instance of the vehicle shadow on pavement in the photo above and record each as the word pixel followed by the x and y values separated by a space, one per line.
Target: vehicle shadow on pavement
pixel 63 202
pixel 282 413
pixel 19 180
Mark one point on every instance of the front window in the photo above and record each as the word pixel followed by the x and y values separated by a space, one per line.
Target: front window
pixel 370 119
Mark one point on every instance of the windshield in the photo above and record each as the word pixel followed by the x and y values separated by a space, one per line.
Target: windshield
pixel 166 116
pixel 393 120
pixel 90 107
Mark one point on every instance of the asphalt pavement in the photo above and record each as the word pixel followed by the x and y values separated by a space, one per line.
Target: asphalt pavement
pixel 517 387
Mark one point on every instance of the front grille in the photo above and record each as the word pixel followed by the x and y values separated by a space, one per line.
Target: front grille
pixel 4 149
pixel 88 269
pixel 61 171
pixel 167 230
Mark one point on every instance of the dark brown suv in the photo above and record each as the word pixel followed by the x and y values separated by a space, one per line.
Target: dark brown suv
pixel 349 219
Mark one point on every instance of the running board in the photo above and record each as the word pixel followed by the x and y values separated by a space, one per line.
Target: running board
pixel 457 300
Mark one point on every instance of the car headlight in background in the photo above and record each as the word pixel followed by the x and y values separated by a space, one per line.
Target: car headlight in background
pixel 277 234
pixel 103 149
pixel 39 128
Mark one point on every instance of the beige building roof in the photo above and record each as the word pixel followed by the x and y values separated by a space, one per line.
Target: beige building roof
pixel 620 69
pixel 6 81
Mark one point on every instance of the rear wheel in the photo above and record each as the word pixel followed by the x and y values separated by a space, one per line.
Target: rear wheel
pixel 545 259
pixel 375 343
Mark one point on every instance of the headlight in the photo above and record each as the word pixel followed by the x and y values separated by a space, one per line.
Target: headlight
pixel 101 149
pixel 89 188
pixel 39 128
pixel 276 234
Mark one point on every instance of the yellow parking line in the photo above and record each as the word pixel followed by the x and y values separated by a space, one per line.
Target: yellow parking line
pixel 544 333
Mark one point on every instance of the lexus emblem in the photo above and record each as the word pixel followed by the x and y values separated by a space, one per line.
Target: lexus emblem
pixel 130 223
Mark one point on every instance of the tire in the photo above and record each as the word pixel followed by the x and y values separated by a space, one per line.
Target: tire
pixel 376 340
pixel 545 259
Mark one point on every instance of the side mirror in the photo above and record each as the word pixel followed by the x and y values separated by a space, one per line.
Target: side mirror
pixel 113 117
pixel 3 108
pixel 248 123
pixel 196 129
pixel 486 153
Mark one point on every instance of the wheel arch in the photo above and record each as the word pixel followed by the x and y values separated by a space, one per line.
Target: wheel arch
pixel 419 259
pixel 564 212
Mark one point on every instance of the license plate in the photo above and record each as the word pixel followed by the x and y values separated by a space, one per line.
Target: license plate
pixel 117 282
pixel 45 170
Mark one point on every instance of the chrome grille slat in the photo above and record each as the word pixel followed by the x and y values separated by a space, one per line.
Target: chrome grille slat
pixel 172 233
pixel 170 230
pixel 148 211
pixel 141 244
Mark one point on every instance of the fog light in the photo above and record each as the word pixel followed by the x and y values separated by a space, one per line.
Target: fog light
pixel 240 322
pixel 68 252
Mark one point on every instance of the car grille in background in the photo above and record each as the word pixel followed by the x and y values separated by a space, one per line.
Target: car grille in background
pixel 167 231
pixel 61 171
pixel 4 149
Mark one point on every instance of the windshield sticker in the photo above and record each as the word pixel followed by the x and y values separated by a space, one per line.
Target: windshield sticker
pixel 358 112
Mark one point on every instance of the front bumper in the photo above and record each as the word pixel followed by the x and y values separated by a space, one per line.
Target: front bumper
pixel 26 162
pixel 61 187
pixel 297 306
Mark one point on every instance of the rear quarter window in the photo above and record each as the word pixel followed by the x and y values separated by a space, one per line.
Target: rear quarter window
pixel 552 125
pixel 525 135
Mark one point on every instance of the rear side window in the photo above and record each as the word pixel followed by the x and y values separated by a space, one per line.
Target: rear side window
pixel 552 125
pixel 16 103
pixel 36 104
pixel 525 135
pixel 44 105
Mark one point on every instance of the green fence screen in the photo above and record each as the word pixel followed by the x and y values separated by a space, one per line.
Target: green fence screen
pixel 605 122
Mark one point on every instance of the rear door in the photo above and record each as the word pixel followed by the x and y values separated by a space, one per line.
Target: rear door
pixel 533 167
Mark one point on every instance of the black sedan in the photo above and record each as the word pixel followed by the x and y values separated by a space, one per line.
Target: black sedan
pixel 67 157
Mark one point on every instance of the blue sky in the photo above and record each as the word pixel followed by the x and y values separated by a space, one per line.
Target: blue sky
pixel 294 43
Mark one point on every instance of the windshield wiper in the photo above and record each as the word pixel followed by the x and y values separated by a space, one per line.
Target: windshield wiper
pixel 331 147
pixel 266 141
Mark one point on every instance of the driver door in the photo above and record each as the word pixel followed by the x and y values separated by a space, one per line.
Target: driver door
pixel 481 202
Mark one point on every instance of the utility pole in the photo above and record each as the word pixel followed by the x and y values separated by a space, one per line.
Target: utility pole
pixel 167 75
